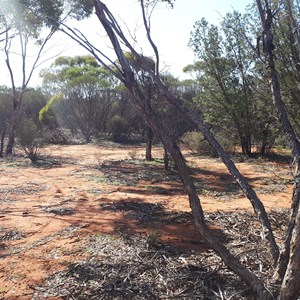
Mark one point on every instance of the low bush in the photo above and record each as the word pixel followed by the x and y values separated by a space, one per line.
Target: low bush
pixel 29 139
pixel 197 143
pixel 119 128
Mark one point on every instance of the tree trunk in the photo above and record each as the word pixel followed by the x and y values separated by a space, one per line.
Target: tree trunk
pixel 113 30
pixel 12 126
pixel 2 142
pixel 240 179
pixel 264 143
pixel 149 142
pixel 246 145
pixel 11 141
pixel 166 159
pixel 290 285
pixel 171 147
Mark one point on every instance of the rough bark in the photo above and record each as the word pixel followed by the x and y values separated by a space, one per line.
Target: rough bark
pixel 294 25
pixel 166 159
pixel 11 142
pixel 290 285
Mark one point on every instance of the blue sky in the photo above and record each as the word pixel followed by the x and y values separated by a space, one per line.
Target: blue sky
pixel 170 30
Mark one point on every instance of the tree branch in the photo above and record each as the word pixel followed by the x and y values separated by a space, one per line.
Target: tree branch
pixel 154 47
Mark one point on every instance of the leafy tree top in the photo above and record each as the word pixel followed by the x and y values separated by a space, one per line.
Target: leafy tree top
pixel 73 71
pixel 33 15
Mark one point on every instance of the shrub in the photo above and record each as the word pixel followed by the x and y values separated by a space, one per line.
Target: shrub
pixel 28 138
pixel 55 136
pixel 197 143
pixel 119 128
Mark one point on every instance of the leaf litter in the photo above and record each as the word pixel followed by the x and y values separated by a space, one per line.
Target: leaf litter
pixel 127 266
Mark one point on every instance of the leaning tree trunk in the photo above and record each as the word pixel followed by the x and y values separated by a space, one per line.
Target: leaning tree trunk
pixel 127 77
pixel 200 124
pixel 288 269
pixel 257 287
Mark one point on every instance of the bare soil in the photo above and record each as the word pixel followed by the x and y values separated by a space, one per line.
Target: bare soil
pixel 52 213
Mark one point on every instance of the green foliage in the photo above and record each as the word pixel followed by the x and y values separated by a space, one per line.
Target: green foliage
pixel 46 115
pixel 288 59
pixel 75 70
pixel 34 100
pixel 5 107
pixel 33 15
pixel 5 114
pixel 86 98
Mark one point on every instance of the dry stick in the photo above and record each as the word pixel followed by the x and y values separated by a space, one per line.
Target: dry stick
pixel 288 269
pixel 132 85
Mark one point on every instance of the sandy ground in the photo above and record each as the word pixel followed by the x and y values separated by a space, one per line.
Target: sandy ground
pixel 46 210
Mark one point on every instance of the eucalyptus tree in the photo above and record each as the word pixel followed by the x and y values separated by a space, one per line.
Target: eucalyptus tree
pixel 86 91
pixel 171 118
pixel 34 100
pixel 24 23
